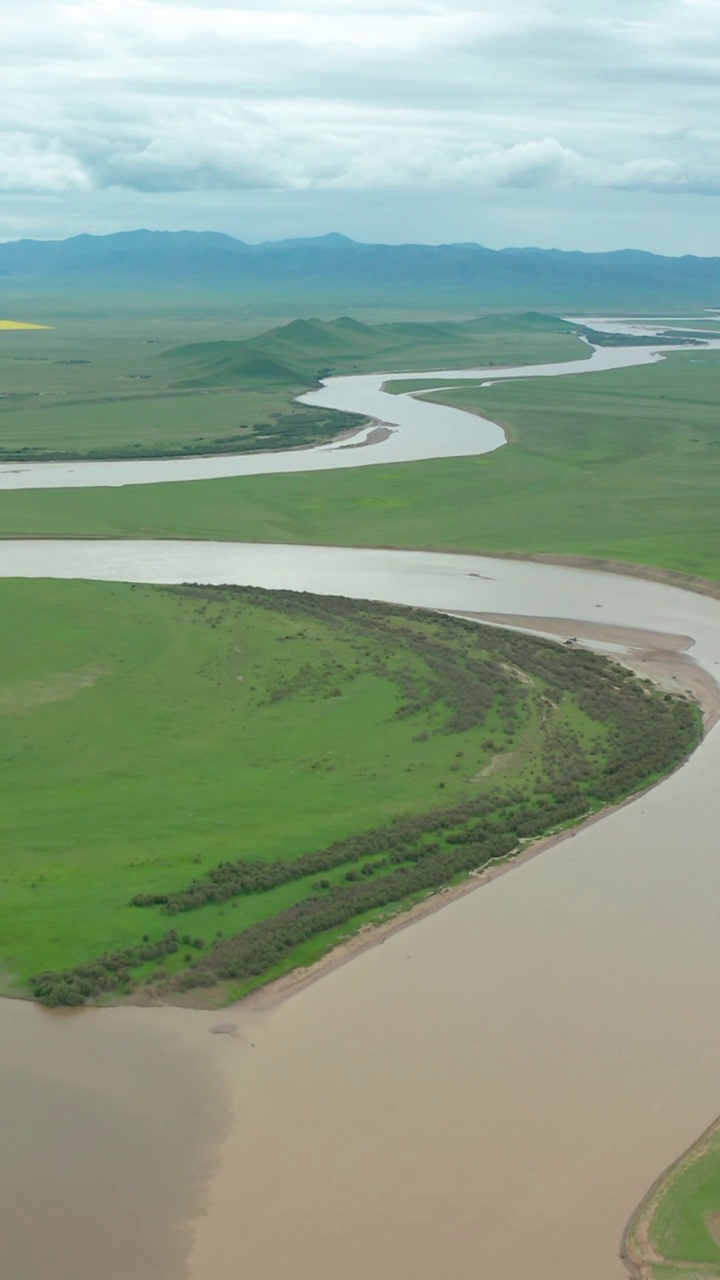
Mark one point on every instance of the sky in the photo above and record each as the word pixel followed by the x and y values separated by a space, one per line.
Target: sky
pixel 507 122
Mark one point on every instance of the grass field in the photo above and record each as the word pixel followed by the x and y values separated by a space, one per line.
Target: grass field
pixel 114 382
pixel 680 1221
pixel 149 734
pixel 624 465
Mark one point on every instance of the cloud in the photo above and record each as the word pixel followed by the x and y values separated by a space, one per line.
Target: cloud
pixel 670 177
pixel 31 164
pixel 177 96
pixel 528 164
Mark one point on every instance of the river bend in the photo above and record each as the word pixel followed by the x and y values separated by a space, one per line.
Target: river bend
pixel 418 430
pixel 493 1090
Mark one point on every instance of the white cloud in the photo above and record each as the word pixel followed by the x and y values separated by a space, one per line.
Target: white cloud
pixel 32 164
pixel 175 95
pixel 527 164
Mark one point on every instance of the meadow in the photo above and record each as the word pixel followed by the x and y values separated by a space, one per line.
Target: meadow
pixel 120 380
pixel 149 733
pixel 622 465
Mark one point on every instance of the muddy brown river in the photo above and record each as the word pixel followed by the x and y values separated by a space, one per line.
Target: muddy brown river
pixel 489 1091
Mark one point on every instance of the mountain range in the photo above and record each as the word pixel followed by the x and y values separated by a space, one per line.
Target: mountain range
pixel 333 269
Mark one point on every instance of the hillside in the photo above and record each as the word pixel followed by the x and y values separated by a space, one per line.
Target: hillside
pixel 303 350
pixel 334 269
pixel 221 394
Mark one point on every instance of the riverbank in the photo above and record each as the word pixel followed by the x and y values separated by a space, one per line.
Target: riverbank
pixel 661 658
pixel 469 761
pixel 675 1230
pixel 611 922
pixel 277 1024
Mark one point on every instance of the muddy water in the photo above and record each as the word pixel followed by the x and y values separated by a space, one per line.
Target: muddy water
pixel 489 1092
pixel 109 1127
pixel 418 430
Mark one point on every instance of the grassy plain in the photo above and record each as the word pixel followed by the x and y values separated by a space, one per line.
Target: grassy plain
pixel 148 734
pixel 118 381
pixel 624 465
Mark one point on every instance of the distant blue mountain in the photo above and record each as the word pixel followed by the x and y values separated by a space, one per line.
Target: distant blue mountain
pixel 334 269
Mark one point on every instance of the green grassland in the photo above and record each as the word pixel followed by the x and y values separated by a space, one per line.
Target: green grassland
pixel 681 1216
pixel 622 465
pixel 680 1230
pixel 336 758
pixel 119 384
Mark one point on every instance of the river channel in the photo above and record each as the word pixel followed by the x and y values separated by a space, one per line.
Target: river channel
pixel 489 1092
pixel 416 430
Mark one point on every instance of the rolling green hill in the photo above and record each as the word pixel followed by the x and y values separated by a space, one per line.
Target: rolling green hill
pixel 302 351
pixel 67 393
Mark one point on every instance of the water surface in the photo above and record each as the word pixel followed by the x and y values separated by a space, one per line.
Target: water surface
pixel 110 1124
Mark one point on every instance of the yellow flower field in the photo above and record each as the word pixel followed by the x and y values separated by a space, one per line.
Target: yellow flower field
pixel 19 324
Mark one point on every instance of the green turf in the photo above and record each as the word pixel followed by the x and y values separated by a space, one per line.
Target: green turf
pixel 681 1212
pixel 136 740
pixel 150 734
pixel 624 465
pixel 139 744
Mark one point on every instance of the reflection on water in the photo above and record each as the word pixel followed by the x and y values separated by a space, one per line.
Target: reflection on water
pixel 488 1093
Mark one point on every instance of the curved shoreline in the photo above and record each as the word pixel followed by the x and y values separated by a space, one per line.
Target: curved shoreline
pixel 648 655
pixel 638 1256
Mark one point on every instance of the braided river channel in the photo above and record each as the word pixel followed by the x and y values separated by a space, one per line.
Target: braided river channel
pixel 488 1092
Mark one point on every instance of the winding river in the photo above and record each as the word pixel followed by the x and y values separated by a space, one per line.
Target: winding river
pixel 489 1092
pixel 417 430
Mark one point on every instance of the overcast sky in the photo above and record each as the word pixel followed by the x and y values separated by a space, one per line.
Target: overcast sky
pixel 549 122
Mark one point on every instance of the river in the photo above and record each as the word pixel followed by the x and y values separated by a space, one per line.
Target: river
pixel 417 430
pixel 488 1092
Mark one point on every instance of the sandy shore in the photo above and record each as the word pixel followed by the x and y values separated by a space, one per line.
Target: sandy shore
pixel 379 433
pixel 664 659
